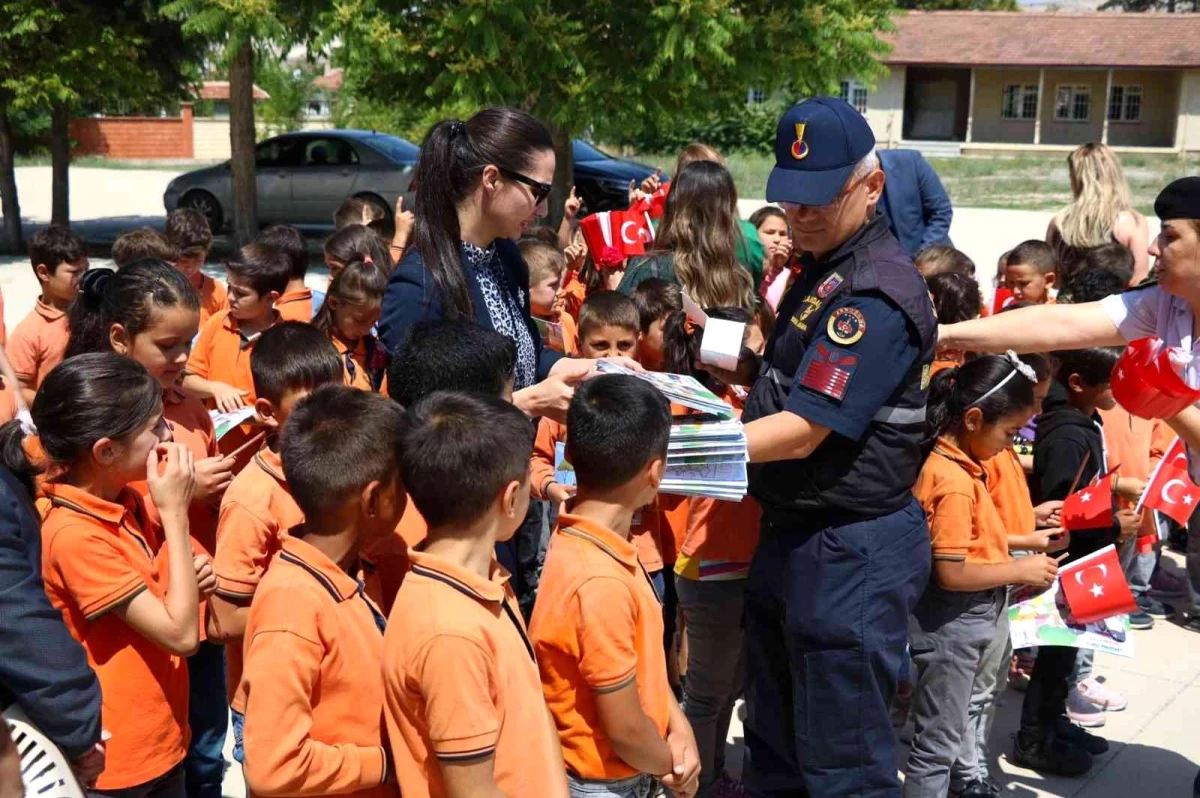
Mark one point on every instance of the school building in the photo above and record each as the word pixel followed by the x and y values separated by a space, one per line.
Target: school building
pixel 973 82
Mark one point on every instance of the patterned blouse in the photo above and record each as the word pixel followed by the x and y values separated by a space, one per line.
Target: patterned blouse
pixel 506 313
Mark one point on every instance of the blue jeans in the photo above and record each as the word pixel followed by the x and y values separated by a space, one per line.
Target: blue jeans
pixel 640 786
pixel 826 625
pixel 204 766
pixel 238 721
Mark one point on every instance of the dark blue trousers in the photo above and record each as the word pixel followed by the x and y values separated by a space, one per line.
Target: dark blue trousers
pixel 208 716
pixel 826 626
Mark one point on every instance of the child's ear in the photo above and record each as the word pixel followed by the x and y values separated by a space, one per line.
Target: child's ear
pixel 1075 383
pixel 973 419
pixel 510 498
pixel 104 451
pixel 655 470
pixel 272 297
pixel 370 499
pixel 42 271
pixel 266 411
pixel 1051 278
pixel 119 339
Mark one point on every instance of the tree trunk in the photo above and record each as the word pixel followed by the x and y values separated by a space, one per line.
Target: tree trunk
pixel 60 164
pixel 8 185
pixel 564 169
pixel 241 139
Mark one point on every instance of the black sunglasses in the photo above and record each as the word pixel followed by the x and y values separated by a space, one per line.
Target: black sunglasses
pixel 539 190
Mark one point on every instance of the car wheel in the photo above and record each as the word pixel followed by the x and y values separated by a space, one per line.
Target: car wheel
pixel 206 204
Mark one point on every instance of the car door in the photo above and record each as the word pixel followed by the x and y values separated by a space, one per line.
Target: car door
pixel 274 161
pixel 326 175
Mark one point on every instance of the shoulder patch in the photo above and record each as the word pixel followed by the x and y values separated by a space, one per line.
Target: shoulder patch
pixel 829 371
pixel 846 326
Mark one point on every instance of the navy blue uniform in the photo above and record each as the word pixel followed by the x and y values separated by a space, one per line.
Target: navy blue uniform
pixel 845 549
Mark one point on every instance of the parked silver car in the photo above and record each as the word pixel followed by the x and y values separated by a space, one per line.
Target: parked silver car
pixel 304 177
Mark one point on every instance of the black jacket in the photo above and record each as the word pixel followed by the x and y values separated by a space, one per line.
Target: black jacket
pixel 42 667
pixel 1065 436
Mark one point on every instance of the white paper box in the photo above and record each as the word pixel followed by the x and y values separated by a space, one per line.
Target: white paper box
pixel 722 343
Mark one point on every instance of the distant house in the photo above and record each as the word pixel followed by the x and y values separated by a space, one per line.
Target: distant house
pixel 217 92
pixel 324 91
pixel 975 81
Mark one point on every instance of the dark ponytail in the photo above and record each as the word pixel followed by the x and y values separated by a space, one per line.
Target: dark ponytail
pixel 127 297
pixel 357 284
pixel 83 399
pixel 681 343
pixel 954 391
pixel 453 156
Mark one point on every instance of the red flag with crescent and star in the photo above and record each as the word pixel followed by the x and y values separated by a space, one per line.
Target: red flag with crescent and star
pixel 1095 587
pixel 1091 507
pixel 1170 490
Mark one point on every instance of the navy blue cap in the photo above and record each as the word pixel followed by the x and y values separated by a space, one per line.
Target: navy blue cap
pixel 817 145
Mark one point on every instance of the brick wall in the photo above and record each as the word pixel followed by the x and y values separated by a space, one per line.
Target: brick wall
pixel 135 136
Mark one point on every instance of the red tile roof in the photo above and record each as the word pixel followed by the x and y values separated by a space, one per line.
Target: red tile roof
pixel 1031 39
pixel 330 81
pixel 219 90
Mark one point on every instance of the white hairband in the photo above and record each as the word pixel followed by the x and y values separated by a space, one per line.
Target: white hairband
pixel 1018 368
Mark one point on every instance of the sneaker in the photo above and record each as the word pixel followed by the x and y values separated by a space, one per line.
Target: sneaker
pixel 1155 608
pixel 978 789
pixel 1167 583
pixel 729 787
pixel 1054 756
pixel 1140 620
pixel 1100 694
pixel 1073 735
pixel 1192 624
pixel 1082 711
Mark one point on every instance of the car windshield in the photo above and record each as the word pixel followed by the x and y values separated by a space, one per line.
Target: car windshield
pixel 582 151
pixel 395 148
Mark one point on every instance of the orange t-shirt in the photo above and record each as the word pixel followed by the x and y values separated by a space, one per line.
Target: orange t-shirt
pixel 96 556
pixel 572 293
pixel 1128 441
pixel 385 562
pixel 39 343
pixel 314 691
pixel 597 626
pixel 1009 488
pixel 963 521
pixel 461 682
pixel 946 360
pixel 213 298
pixel 256 513
pixel 296 305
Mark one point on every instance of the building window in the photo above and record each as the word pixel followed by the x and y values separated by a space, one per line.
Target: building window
pixel 1019 102
pixel 854 93
pixel 1125 104
pixel 755 96
pixel 1073 103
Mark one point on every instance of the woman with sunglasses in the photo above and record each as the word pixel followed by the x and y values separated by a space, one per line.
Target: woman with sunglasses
pixel 482 183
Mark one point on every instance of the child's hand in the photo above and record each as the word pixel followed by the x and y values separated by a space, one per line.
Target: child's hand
pixel 559 493
pixel 213 475
pixel 206 577
pixel 1047 513
pixel 572 206
pixel 1130 522
pixel 227 397
pixel 1037 570
pixel 172 490
pixel 405 220
pixel 575 255
pixel 1130 488
pixel 90 765
pixel 684 778
pixel 781 251
pixel 652 183
pixel 1049 540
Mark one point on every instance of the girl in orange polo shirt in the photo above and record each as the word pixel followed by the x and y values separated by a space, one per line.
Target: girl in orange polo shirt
pixel 128 589
pixel 150 312
pixel 352 306
pixel 974 410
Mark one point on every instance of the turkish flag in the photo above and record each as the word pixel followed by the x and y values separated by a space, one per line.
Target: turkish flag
pixel 1004 298
pixel 1090 508
pixel 1095 587
pixel 1170 489
pixel 633 230
pixel 602 244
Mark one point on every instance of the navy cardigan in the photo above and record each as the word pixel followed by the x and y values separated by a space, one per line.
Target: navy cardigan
pixel 412 297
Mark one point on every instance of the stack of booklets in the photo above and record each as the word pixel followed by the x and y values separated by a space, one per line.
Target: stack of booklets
pixel 706 455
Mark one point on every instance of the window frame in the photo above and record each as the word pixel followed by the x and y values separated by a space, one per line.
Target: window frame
pixel 848 91
pixel 1023 92
pixel 1076 91
pixel 1127 90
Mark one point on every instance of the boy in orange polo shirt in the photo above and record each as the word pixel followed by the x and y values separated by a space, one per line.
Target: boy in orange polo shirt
pixel 597 628
pixel 190 236
pixel 257 510
pixel 298 302
pixel 1031 272
pixel 314 690
pixel 59 261
pixel 464 705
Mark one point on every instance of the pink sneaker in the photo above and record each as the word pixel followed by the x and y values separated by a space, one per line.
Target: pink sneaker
pixel 1096 692
pixel 1082 711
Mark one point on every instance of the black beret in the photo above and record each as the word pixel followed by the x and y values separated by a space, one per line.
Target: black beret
pixel 1180 200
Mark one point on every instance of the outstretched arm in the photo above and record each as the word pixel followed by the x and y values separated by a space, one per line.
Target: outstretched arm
pixel 1046 328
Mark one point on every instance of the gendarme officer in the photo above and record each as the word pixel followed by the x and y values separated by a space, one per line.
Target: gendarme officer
pixel 834 425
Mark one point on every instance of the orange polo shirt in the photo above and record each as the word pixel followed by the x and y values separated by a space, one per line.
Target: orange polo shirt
pixel 1128 440
pixel 1009 488
pixel 296 305
pixel 946 360
pixel 963 521
pixel 314 690
pixel 461 682
pixel 96 556
pixel 385 562
pixel 597 627
pixel 213 298
pixel 256 513
pixel 572 293
pixel 39 343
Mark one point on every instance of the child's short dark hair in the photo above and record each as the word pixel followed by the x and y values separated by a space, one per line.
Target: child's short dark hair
pixel 292 356
pixel 608 309
pixel 451 355
pixel 544 260
pixel 459 451
pixel 141 243
pixel 1091 284
pixel 956 297
pixel 53 246
pixel 1043 369
pixel 188 232
pixel 1116 258
pixel 290 242
pixel 542 233
pixel 655 299
pixel 767 212
pixel 337 441
pixel 1093 365
pixel 1037 254
pixel 616 424
pixel 351 212
pixel 264 268
pixel 942 258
